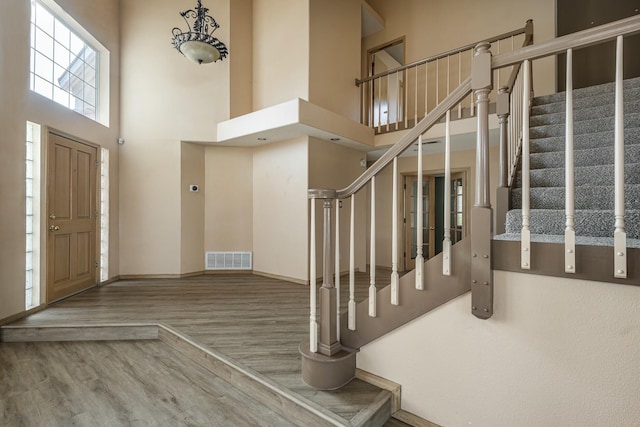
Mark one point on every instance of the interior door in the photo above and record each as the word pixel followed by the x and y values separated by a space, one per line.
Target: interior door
pixel 411 219
pixel 71 209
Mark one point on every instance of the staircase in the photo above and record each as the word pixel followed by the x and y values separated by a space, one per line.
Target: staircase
pixel 594 166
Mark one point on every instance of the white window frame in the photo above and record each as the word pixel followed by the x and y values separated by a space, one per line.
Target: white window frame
pixel 68 65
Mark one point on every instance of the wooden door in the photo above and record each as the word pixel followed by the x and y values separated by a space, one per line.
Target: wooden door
pixel 411 219
pixel 71 210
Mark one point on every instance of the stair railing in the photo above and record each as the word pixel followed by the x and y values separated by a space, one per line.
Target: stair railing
pixel 398 98
pixel 520 103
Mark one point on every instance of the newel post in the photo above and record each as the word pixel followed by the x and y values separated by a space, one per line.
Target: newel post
pixel 503 194
pixel 328 343
pixel 481 214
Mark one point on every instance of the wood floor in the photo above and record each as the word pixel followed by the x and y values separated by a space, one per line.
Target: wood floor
pixel 118 383
pixel 257 321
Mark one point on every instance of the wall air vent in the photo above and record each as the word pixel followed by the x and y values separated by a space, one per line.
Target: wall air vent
pixel 228 261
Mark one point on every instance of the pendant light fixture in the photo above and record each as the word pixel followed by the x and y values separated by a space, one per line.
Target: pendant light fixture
pixel 198 43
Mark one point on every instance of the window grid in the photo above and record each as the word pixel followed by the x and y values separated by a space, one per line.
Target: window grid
pixel 29 217
pixel 104 214
pixel 63 66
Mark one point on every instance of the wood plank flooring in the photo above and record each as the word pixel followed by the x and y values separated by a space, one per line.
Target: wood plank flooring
pixel 118 383
pixel 255 320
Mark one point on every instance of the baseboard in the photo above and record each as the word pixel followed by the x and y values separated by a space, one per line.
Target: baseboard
pixel 159 276
pixel 412 419
pixel 394 388
pixel 278 277
pixel 217 272
pixel 22 314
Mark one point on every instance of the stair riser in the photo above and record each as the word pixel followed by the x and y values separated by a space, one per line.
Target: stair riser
pixel 595 140
pixel 585 198
pixel 579 103
pixel 589 223
pixel 583 127
pixel 587 92
pixel 589 157
pixel 592 175
pixel 581 114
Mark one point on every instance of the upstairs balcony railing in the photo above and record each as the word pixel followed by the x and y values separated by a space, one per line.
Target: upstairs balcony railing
pixel 398 98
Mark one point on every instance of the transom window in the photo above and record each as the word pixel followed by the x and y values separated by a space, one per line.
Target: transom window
pixel 64 67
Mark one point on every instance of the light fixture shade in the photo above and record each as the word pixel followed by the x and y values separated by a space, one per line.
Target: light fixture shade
pixel 200 52
pixel 198 43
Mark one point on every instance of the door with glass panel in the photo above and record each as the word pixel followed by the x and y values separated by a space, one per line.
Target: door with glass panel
pixel 411 219
pixel 433 215
pixel 71 210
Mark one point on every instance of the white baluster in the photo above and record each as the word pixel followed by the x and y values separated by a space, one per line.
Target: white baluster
pixel 446 244
pixel 397 99
pixel 459 80
pixel 569 231
pixel 426 89
pixel 415 96
pixel 337 269
pixel 395 278
pixel 437 81
pixel 372 253
pixel 472 105
pixel 352 267
pixel 313 324
pixel 388 101
pixel 379 105
pixel 406 101
pixel 619 235
pixel 419 258
pixel 525 257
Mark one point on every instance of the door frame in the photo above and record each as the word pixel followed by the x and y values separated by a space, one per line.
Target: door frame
pixel 46 132
pixel 468 198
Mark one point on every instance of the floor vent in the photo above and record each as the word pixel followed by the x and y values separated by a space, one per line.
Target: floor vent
pixel 228 261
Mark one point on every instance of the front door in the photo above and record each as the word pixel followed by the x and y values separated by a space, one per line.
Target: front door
pixel 71 210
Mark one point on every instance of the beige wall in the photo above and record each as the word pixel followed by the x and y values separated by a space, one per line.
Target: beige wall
pixel 280 51
pixel 241 63
pixel 192 204
pixel 556 352
pixel 332 166
pixel 166 99
pixel 280 177
pixel 334 52
pixel 19 105
pixel 433 26
pixel 228 199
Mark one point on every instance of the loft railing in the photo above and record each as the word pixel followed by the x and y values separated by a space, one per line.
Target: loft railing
pixel 398 98
pixel 513 111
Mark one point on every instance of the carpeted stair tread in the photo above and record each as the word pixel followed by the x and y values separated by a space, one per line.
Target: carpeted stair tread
pixel 584 141
pixel 580 114
pixel 584 157
pixel 596 223
pixel 586 92
pixel 584 175
pixel 585 197
pixel 631 120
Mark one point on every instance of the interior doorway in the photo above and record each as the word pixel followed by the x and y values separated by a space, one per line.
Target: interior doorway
pixel 387 94
pixel 72 170
pixel 433 214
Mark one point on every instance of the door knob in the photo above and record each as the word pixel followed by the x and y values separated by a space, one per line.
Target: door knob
pixel 52 216
pixel 54 227
pixel 432 228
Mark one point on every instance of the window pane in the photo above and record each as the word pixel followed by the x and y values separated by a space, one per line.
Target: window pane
pixel 44 67
pixel 44 43
pixel 44 19
pixel 61 96
pixel 89 95
pixel 76 45
pixel 62 34
pixel 61 55
pixel 43 87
